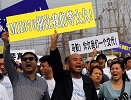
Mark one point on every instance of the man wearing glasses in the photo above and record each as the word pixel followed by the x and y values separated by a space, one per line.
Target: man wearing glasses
pixel 26 85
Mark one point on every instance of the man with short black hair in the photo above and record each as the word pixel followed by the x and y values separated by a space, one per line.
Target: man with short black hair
pixel 127 62
pixel 101 58
pixel 26 85
pixel 46 71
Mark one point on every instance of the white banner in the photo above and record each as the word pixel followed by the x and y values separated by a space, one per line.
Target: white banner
pixel 102 42
pixel 16 54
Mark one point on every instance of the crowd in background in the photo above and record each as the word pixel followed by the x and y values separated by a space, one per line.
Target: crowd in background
pixel 97 79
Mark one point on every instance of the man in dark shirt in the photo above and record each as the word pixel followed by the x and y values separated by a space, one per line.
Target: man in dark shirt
pixel 26 85
pixel 71 84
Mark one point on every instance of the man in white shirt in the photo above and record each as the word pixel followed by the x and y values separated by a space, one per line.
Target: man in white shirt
pixel 6 82
pixel 127 62
pixel 71 84
pixel 46 71
pixel 107 69
pixel 3 93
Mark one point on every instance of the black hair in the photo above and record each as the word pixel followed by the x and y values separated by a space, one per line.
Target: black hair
pixel 13 62
pixel 87 62
pixel 121 57
pixel 31 53
pixel 46 58
pixel 126 59
pixel 66 59
pixel 101 56
pixel 124 75
pixel 115 59
pixel 1 56
pixel 94 61
pixel 96 67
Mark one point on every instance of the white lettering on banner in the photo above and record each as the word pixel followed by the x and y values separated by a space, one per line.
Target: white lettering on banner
pixel 102 42
pixel 1 27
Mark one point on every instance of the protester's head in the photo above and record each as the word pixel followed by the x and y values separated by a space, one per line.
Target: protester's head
pixel 75 63
pixel 118 71
pixel 45 65
pixel 19 68
pixel 109 62
pixel 66 63
pixel 86 65
pixel 102 60
pixel 115 59
pixel 121 59
pixel 86 62
pixel 96 74
pixel 127 62
pixel 2 66
pixel 29 62
pixel 94 63
pixel 38 69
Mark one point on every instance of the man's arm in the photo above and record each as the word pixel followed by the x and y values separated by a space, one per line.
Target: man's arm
pixel 12 73
pixel 57 66
pixel 94 53
pixel 46 96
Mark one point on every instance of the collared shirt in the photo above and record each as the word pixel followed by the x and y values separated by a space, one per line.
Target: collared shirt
pixel 23 87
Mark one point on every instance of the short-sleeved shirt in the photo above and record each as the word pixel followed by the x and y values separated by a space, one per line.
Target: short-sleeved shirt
pixel 3 93
pixel 128 72
pixel 106 91
pixel 78 92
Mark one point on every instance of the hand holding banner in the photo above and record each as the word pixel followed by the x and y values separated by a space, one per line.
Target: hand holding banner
pixel 22 7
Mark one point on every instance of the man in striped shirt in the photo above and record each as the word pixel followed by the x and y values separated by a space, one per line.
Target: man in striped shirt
pixel 26 85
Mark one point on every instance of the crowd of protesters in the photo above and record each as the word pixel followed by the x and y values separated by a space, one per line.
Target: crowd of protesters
pixel 97 79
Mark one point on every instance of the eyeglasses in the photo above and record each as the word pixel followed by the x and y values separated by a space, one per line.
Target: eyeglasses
pixel 30 59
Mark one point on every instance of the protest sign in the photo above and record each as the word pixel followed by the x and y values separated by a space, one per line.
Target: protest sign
pixel 102 42
pixel 22 7
pixel 16 54
pixel 124 48
pixel 43 23
pixel 1 49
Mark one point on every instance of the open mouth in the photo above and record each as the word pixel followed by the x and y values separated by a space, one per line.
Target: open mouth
pixel 114 75
pixel 28 65
pixel 78 67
